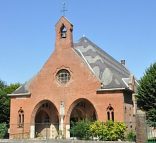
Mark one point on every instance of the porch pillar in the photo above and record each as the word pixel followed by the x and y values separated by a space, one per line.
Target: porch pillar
pixel 67 131
pixel 32 131
pixel 61 123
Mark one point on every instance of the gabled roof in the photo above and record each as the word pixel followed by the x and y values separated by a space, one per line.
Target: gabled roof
pixel 62 19
pixel 109 71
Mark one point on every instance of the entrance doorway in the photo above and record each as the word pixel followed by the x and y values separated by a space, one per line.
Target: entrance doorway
pixel 46 120
pixel 82 109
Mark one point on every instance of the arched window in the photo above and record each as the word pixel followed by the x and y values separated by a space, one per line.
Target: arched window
pixel 20 118
pixel 110 113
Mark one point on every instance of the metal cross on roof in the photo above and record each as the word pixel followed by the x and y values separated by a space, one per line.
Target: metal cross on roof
pixel 64 8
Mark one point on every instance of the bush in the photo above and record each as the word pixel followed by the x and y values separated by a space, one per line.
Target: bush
pixel 81 129
pixel 131 136
pixel 97 130
pixel 112 131
pixel 3 130
pixel 109 131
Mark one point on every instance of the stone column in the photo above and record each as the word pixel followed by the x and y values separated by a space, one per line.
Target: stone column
pixel 32 131
pixel 61 123
pixel 61 126
pixel 134 103
pixel 141 127
pixel 51 131
pixel 67 131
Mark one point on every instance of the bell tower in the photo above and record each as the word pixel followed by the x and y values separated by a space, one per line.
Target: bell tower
pixel 64 36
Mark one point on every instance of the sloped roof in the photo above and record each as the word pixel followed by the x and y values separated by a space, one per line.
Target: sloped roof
pixel 108 70
pixel 23 90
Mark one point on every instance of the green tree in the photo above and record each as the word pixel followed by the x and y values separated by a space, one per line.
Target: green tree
pixel 5 100
pixel 3 130
pixel 146 97
pixel 2 84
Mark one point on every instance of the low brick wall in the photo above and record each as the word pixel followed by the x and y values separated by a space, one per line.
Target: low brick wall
pixel 58 141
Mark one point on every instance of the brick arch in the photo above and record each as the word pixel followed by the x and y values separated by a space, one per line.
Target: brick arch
pixel 73 105
pixel 35 110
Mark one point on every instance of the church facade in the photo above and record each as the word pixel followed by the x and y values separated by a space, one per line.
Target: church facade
pixel 78 81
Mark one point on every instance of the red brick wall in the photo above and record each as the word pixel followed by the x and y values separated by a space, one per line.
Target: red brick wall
pixel 83 84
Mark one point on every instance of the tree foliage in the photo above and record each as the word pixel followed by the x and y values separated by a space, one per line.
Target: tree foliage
pixel 3 130
pixel 146 97
pixel 5 101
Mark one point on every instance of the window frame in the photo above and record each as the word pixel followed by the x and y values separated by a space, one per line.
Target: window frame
pixel 110 113
pixel 63 76
pixel 21 118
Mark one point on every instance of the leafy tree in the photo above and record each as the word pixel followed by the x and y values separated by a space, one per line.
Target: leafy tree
pixel 2 84
pixel 5 101
pixel 146 97
pixel 3 130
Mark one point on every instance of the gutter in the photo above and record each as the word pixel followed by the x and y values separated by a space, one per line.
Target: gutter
pixel 103 90
pixel 111 89
pixel 19 94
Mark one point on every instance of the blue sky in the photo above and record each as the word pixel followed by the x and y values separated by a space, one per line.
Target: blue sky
pixel 126 29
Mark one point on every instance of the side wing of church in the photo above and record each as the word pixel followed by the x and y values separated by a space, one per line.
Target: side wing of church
pixel 78 81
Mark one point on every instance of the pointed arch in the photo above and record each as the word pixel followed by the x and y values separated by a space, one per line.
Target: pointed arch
pixel 44 120
pixel 41 105
pixel 21 118
pixel 83 108
pixel 110 113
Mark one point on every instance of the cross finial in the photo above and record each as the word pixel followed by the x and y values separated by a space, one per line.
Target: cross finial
pixel 64 8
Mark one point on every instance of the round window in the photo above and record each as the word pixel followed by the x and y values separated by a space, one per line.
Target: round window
pixel 63 76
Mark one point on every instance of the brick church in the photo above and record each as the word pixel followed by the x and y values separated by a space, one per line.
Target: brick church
pixel 78 81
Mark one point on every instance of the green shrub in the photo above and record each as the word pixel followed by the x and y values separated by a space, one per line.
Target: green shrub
pixel 97 130
pixel 114 131
pixel 81 129
pixel 131 136
pixel 3 130
pixel 109 131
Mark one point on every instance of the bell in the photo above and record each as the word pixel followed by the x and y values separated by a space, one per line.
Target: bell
pixel 63 34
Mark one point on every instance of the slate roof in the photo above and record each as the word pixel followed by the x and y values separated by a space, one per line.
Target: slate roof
pixel 107 70
pixel 23 89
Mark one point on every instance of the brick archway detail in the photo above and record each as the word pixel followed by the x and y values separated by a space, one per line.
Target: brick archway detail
pixel 35 110
pixel 73 105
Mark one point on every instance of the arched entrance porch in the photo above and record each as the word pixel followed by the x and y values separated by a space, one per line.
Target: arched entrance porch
pixel 79 110
pixel 45 121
